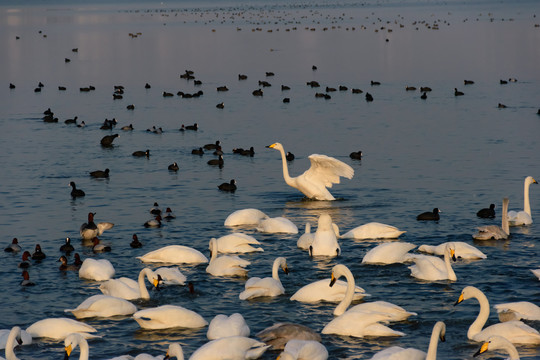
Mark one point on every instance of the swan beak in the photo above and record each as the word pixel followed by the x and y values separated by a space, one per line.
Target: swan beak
pixel 68 350
pixel 286 270
pixel 271 146
pixel 459 300
pixel 332 280
pixel 442 337
pixel 453 254
pixel 482 349
pixel 167 356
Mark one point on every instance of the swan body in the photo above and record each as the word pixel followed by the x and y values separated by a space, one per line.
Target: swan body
pixel 277 225
pixel 232 347
pixel 245 217
pixel 102 306
pixel 238 243
pixel 91 230
pixel 304 350
pixel 399 353
pixel 516 332
pixel 517 311
pixel 499 343
pixel 432 268
pixel 323 173
pixel 373 230
pixel 357 323
pixel 72 341
pixel 26 338
pixel 494 232
pixel 171 275
pixel 278 335
pixel 325 241
pixel 168 316
pixel 223 326
pixel 320 291
pixel 174 254
pixel 389 253
pixel 268 286
pixel 225 265
pixel 462 249
pixel 98 270
pixel 59 328
pixel 523 217
pixel 306 239
pixel 128 289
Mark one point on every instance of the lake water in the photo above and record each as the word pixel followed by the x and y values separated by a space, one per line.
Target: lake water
pixel 456 153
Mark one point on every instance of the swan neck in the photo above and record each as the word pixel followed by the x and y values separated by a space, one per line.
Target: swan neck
pixel 275 270
pixel 512 351
pixel 83 346
pixel 349 294
pixel 142 286
pixel 505 226
pixel 13 334
pixel 483 315
pixel 526 203
pixel 214 250
pixel 449 269
pixel 434 343
pixel 286 175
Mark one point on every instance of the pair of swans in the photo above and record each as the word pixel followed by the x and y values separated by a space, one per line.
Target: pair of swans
pixel 399 353
pixel 494 232
pixel 515 331
pixel 128 289
pixel 261 221
pixel 523 217
pixel 174 254
pixel 323 173
pixel 98 270
pixel 303 350
pixel 432 268
pixel 225 265
pixel 268 286
pixel 363 319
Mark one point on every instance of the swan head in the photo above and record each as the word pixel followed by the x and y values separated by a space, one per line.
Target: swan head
pixel 528 180
pixel 467 293
pixel 283 264
pixel 175 350
pixel 276 146
pixel 325 223
pixel 493 343
pixel 71 342
pixel 338 271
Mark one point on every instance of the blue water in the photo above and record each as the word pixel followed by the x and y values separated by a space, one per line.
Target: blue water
pixel 458 154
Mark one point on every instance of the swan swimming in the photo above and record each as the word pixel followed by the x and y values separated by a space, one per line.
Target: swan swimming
pixel 245 217
pixel 59 328
pixel 516 332
pixel 128 289
pixel 325 241
pixel 494 232
pixel 324 172
pixel 462 249
pixel 517 311
pixel 320 291
pixel 389 253
pixel 102 306
pixel 98 270
pixel 373 230
pixel 432 268
pixel 238 243
pixel 223 326
pixel 278 335
pixel 268 286
pixel 231 347
pixel 225 265
pixel 523 217
pixel 399 353
pixel 168 316
pixel 304 350
pixel 277 225
pixel 174 254
pixel 496 342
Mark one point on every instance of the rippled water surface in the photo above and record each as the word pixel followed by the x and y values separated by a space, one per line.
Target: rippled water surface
pixel 456 153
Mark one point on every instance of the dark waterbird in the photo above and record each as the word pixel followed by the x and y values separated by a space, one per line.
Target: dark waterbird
pixel 100 174
pixel 487 213
pixel 141 153
pixel 107 141
pixel 429 215
pixel 229 187
pixel 74 191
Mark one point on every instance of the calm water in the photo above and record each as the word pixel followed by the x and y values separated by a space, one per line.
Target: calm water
pixel 458 154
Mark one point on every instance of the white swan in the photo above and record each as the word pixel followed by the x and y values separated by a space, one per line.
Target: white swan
pixel 324 172
pixel 278 335
pixel 304 350
pixel 517 311
pixel 168 316
pixel 277 225
pixel 399 353
pixel 462 249
pixel 171 275
pixel 59 328
pixel 494 232
pixel 90 229
pixel 536 273
pixel 245 217
pixel 232 347
pixel 305 240
pixel 174 351
pixel 26 338
pixel 523 217
pixel 432 268
pixel 268 286
pixel 238 243
pixel 174 254
pixel 102 306
pixel 14 338
pixel 325 241
pixel 499 343
pixel 72 341
pixel 356 322
pixel 389 253
pixel 126 288
pixel 98 270
pixel 225 265
pixel 373 230
pixel 223 326
pixel 320 291
pixel 516 332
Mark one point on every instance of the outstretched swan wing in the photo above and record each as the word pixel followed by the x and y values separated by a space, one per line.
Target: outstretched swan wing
pixel 327 170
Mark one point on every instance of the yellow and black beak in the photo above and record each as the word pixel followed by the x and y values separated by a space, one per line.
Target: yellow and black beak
pixel 286 270
pixel 483 349
pixel 459 300
pixel 332 280
pixel 68 350
pixel 271 146
pixel 453 254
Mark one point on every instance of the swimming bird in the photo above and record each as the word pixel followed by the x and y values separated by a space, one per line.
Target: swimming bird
pixel 127 127
pixel 173 167
pixel 495 232
pixel 225 265
pixel 38 254
pixel 458 93
pixel 231 347
pixel 517 311
pixel 99 247
pixel 223 326
pixel 153 223
pixel 324 172
pixel 65 266
pixel 90 229
pixel 168 316
pixel 423 96
pixel 77 260
pixel 523 217
pixel 389 253
pixel 462 250
pixel 71 121
pixel 373 230
pixel 277 224
pixel 128 289
pixel 103 306
pixel 219 161
pixel 174 254
pixel 515 331
pixel 25 263
pixel 170 275
pixel 11 338
pixel 193 127
pixel 26 279
pixel 98 270
pixel 304 350
pixel 169 215
pixel 468 82
pixel 238 243
pixel 279 334
pixel 100 174
pixel 432 268
pixel 247 216
pixel 433 215
pixel 496 342
pixel 67 247
pixel 212 146
pixel 198 151
pixel 229 187
pixel 14 246
pixel 60 328
pixel 268 286
pixel 141 153
pixel 324 240
pixel 289 156
pixel 155 209
pixel 107 141
pixel 369 97
pixel 397 352
pixel 487 213
pixel 356 155
pixel 76 192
